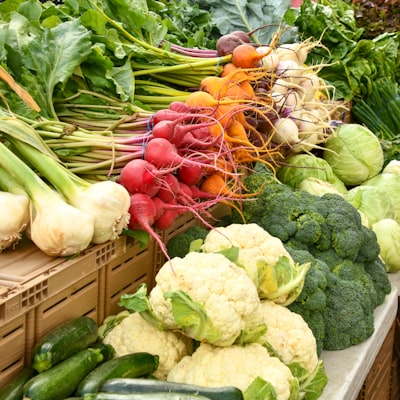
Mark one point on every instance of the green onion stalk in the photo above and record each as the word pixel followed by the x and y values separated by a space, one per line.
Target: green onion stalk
pixel 106 202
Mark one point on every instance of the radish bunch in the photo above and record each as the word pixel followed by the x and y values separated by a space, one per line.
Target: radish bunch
pixel 178 154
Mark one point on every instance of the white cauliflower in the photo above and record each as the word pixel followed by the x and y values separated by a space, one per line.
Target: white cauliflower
pixel 264 258
pixel 134 334
pixel 236 365
pixel 289 336
pixel 207 296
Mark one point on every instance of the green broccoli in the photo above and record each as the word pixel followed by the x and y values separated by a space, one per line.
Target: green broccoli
pixel 345 253
pixel 349 316
pixel 377 271
pixel 179 245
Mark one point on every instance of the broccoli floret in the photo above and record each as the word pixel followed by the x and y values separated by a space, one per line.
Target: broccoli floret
pixel 356 272
pixel 312 301
pixel 370 250
pixel 377 271
pixel 349 317
pixel 179 245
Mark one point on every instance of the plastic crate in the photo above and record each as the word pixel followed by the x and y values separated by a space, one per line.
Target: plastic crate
pixel 31 276
pixel 13 340
pixel 125 273
pixel 377 385
pixel 39 293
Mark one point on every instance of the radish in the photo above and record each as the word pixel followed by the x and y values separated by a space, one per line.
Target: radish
pixel 164 154
pixel 143 212
pixel 190 174
pixel 169 188
pixel 140 176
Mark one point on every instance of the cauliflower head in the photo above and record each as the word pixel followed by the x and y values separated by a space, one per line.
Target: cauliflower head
pixel 208 297
pixel 264 258
pixel 289 336
pixel 134 334
pixel 236 365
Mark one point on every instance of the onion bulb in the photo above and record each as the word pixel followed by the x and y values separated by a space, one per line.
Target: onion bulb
pixel 14 217
pixel 59 229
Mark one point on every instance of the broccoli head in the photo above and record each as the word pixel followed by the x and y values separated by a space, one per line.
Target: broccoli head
pixel 179 245
pixel 347 279
pixel 349 316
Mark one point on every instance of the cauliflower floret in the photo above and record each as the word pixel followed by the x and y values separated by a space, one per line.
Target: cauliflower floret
pixel 253 243
pixel 289 336
pixel 221 297
pixel 133 334
pixel 264 258
pixel 236 365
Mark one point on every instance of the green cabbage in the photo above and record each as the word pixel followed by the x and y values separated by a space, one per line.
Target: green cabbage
pixel 299 167
pixel 354 153
pixel 388 235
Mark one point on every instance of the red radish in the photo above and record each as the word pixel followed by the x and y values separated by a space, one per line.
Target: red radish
pixel 191 174
pixel 143 213
pixel 179 106
pixel 166 220
pixel 140 176
pixel 169 188
pixel 163 154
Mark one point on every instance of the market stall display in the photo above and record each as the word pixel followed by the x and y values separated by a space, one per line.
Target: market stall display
pixel 217 188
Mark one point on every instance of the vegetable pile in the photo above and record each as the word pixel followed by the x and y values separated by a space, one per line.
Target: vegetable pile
pixel 138 113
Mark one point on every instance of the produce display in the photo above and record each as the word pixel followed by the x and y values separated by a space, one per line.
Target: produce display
pixel 117 118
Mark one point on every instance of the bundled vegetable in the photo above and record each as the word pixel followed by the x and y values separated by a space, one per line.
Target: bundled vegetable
pixel 95 213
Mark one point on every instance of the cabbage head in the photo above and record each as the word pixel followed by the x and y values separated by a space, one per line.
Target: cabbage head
pixel 371 202
pixel 388 185
pixel 354 153
pixel 388 235
pixel 299 167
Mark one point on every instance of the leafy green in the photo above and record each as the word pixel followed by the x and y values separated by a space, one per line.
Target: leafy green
pixel 260 389
pixel 354 61
pixel 247 15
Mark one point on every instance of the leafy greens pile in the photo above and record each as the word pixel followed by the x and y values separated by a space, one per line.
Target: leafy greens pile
pixel 354 61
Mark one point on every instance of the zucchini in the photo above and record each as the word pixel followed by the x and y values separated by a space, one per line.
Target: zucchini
pixel 129 366
pixel 63 341
pixel 107 350
pixel 14 389
pixel 126 385
pixel 61 381
pixel 144 396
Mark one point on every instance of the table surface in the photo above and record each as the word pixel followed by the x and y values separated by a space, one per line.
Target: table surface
pixel 347 369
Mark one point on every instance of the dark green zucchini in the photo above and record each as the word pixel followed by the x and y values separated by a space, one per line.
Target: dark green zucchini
pixel 107 351
pixel 137 385
pixel 14 389
pixel 63 341
pixel 127 366
pixel 61 381
pixel 145 396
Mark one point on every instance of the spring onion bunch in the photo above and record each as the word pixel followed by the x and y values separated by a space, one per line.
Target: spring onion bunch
pixel 103 206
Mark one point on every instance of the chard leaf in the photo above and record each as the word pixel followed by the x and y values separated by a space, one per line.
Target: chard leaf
pixel 54 54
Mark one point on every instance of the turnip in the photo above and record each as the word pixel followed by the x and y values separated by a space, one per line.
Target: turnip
pixel 285 132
